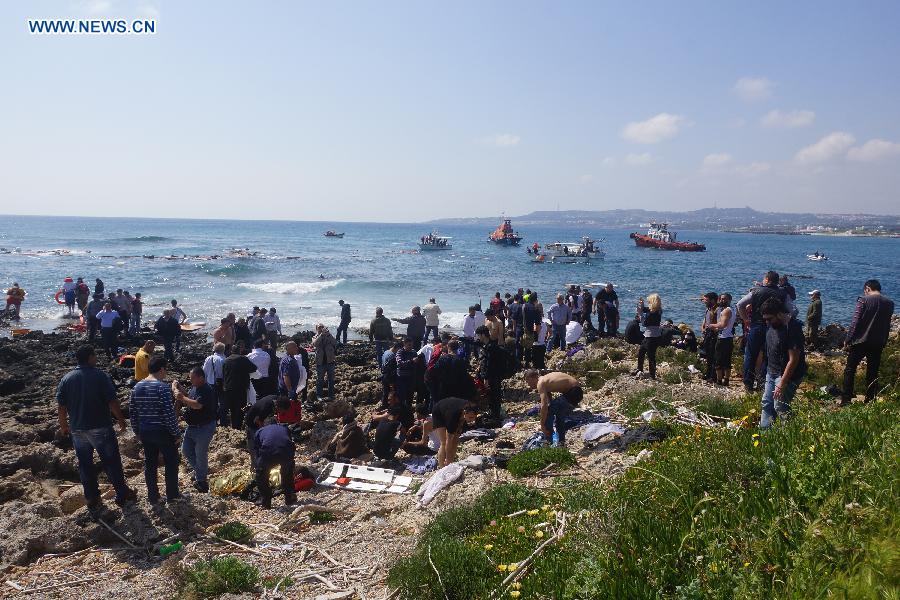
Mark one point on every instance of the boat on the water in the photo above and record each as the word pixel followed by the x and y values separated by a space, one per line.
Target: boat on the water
pixel 658 236
pixel 560 252
pixel 433 241
pixel 504 235
pixel 816 257
pixel 334 234
pixel 592 247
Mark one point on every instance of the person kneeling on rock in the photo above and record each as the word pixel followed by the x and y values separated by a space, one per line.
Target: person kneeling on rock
pixel 273 446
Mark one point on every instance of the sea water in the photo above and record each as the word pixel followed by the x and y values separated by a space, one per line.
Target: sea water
pixel 304 274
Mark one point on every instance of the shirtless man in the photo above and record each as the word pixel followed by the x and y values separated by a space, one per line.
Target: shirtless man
pixel 555 410
pixel 494 325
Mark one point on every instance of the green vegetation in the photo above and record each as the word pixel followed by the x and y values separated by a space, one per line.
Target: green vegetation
pixel 235 531
pixel 270 583
pixel 217 576
pixel 807 509
pixel 530 462
pixel 318 517
pixel 595 372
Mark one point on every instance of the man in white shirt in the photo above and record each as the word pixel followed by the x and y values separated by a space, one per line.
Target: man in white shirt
pixel 212 369
pixel 432 319
pixel 471 322
pixel 259 356
pixel 573 332
pixel 273 327
pixel 180 317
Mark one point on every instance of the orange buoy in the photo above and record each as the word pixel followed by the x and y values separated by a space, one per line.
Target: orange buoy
pixel 57 296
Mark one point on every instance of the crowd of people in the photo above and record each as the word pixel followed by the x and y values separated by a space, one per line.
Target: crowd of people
pixel 434 383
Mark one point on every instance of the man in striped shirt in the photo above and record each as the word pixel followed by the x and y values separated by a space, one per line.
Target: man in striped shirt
pixel 153 419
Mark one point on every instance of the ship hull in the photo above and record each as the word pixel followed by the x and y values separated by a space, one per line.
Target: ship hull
pixel 506 241
pixel 643 241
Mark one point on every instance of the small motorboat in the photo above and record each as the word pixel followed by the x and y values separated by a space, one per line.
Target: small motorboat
pixel 817 257
pixel 334 234
pixel 560 252
pixel 433 241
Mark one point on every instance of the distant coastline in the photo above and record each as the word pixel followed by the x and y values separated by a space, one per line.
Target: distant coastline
pixel 732 220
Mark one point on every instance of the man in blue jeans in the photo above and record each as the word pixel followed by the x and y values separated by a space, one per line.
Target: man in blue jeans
pixel 559 315
pixel 749 308
pixel 86 397
pixel 786 364
pixel 200 415
pixel 153 419
pixel 555 410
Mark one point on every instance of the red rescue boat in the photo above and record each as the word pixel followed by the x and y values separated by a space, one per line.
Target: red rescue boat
pixel 658 236
pixel 504 235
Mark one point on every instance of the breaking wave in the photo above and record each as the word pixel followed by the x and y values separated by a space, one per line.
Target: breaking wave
pixel 300 287
pixel 144 238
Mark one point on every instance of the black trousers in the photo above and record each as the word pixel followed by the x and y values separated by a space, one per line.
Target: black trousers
pixel 709 349
pixel 235 401
pixel 537 356
pixel 495 395
pixel 872 354
pixel 158 442
pixel 648 349
pixel 265 463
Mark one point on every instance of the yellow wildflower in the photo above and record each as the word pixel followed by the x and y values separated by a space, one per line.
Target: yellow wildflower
pixel 515 593
pixel 531 513
pixel 502 568
pixel 746 564
pixel 488 547
pixel 538 534
pixel 545 507
pixel 513 566
pixel 812 448
pixel 755 443
pixel 517 586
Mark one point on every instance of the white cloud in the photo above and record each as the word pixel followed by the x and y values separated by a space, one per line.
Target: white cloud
pixel 655 129
pixel 754 168
pixel 638 160
pixel 873 150
pixel 608 162
pixel 753 89
pixel 825 149
pixel 788 119
pixel 585 179
pixel 501 140
pixel 711 161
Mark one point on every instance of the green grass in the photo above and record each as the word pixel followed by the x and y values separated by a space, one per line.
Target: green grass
pixel 530 462
pixel 807 509
pixel 318 517
pixel 597 371
pixel 217 576
pixel 234 531
pixel 281 582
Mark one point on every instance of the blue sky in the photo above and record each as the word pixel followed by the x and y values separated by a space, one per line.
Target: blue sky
pixel 405 111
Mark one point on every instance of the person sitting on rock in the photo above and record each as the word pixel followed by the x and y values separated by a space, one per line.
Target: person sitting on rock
pixel 349 442
pixel 421 437
pixel 390 426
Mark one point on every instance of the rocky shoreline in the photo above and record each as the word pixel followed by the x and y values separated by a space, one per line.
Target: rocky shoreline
pixel 51 541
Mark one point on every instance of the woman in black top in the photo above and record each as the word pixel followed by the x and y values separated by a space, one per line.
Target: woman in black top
pixel 448 417
pixel 651 315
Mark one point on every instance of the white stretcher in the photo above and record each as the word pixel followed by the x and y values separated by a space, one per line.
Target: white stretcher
pixel 364 479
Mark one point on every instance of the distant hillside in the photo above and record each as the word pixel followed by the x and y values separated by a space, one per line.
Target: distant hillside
pixel 704 218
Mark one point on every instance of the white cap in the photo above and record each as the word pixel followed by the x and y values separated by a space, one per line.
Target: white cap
pixel 814 292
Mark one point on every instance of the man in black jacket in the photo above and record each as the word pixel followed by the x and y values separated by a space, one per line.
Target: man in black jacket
pixel 866 338
pixel 749 308
pixel 346 317
pixel 236 372
pixel 415 327
pixel 492 369
pixel 168 329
